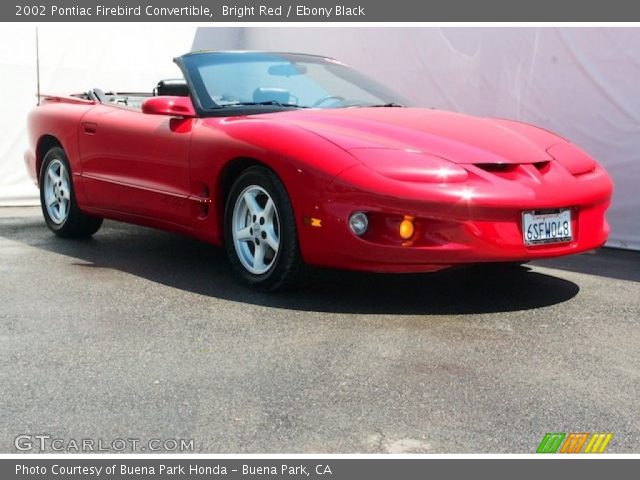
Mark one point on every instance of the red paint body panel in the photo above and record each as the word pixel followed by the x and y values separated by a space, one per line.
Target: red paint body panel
pixel 168 172
pixel 144 170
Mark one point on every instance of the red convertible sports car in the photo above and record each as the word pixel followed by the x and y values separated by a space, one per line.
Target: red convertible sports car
pixel 292 160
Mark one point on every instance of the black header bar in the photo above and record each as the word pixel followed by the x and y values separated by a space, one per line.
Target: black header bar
pixel 216 11
pixel 317 468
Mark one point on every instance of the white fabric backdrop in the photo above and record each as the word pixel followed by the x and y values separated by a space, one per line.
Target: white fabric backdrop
pixel 73 59
pixel 579 82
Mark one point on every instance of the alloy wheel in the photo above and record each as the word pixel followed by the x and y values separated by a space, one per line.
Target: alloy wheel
pixel 256 230
pixel 57 192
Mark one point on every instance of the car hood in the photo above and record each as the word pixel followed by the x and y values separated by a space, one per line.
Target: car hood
pixel 456 137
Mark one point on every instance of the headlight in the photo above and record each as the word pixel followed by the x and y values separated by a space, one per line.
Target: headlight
pixel 358 223
pixel 575 160
pixel 410 165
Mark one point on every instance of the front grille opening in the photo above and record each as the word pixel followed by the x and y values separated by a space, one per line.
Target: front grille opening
pixel 511 171
pixel 543 167
pixel 497 167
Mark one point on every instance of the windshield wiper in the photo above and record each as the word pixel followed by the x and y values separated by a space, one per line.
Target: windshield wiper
pixel 267 102
pixel 386 105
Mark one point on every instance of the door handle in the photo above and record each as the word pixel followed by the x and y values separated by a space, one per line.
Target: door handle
pixel 89 128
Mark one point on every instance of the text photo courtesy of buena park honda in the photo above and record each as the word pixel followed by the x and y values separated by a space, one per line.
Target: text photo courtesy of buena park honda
pixel 319 240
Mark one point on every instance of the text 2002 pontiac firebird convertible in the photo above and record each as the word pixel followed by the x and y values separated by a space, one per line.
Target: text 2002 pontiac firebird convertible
pixel 292 160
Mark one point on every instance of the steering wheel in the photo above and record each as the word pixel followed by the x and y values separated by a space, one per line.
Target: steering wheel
pixel 326 98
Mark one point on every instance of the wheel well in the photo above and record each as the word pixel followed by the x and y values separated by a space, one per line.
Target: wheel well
pixel 231 171
pixel 45 143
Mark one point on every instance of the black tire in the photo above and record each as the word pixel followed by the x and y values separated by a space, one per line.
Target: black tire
pixel 287 267
pixel 75 224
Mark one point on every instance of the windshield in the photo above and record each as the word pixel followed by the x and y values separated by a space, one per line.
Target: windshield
pixel 227 79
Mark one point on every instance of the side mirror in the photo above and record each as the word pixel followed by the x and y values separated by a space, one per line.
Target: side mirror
pixel 172 106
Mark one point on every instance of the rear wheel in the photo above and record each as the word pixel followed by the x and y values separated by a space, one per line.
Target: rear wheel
pixel 57 197
pixel 260 231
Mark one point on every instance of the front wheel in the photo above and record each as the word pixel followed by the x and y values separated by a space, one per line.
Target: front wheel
pixel 260 231
pixel 57 197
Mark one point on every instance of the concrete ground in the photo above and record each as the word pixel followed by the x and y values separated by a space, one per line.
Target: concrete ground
pixel 144 334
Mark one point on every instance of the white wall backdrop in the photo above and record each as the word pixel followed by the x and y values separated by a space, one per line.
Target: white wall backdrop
pixel 579 82
pixel 73 59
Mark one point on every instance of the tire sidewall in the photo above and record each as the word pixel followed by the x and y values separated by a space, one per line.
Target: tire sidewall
pixel 56 153
pixel 288 252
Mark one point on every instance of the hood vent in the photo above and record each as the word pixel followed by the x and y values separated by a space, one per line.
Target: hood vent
pixel 510 170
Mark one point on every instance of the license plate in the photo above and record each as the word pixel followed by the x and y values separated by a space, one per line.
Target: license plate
pixel 546 226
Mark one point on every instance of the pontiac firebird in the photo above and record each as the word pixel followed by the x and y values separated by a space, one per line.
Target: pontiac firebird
pixel 291 160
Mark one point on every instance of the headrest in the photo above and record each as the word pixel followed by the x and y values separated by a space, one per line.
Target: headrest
pixel 266 94
pixel 176 87
pixel 99 94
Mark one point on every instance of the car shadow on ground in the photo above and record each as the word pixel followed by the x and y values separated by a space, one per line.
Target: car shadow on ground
pixel 203 269
pixel 606 262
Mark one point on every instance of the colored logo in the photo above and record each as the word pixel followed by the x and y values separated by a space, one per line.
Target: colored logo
pixel 574 442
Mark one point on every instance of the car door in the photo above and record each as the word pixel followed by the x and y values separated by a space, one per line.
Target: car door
pixel 136 163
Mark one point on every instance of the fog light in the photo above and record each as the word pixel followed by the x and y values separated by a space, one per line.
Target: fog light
pixel 358 223
pixel 406 228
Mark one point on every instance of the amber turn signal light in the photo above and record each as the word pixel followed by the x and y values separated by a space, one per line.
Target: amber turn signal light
pixel 406 228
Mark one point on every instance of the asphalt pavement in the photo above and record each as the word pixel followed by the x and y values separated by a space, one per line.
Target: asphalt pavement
pixel 144 334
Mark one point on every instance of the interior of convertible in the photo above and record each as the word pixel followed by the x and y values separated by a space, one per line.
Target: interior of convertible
pixel 173 87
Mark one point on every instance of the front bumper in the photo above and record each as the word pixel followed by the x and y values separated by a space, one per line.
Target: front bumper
pixel 478 221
